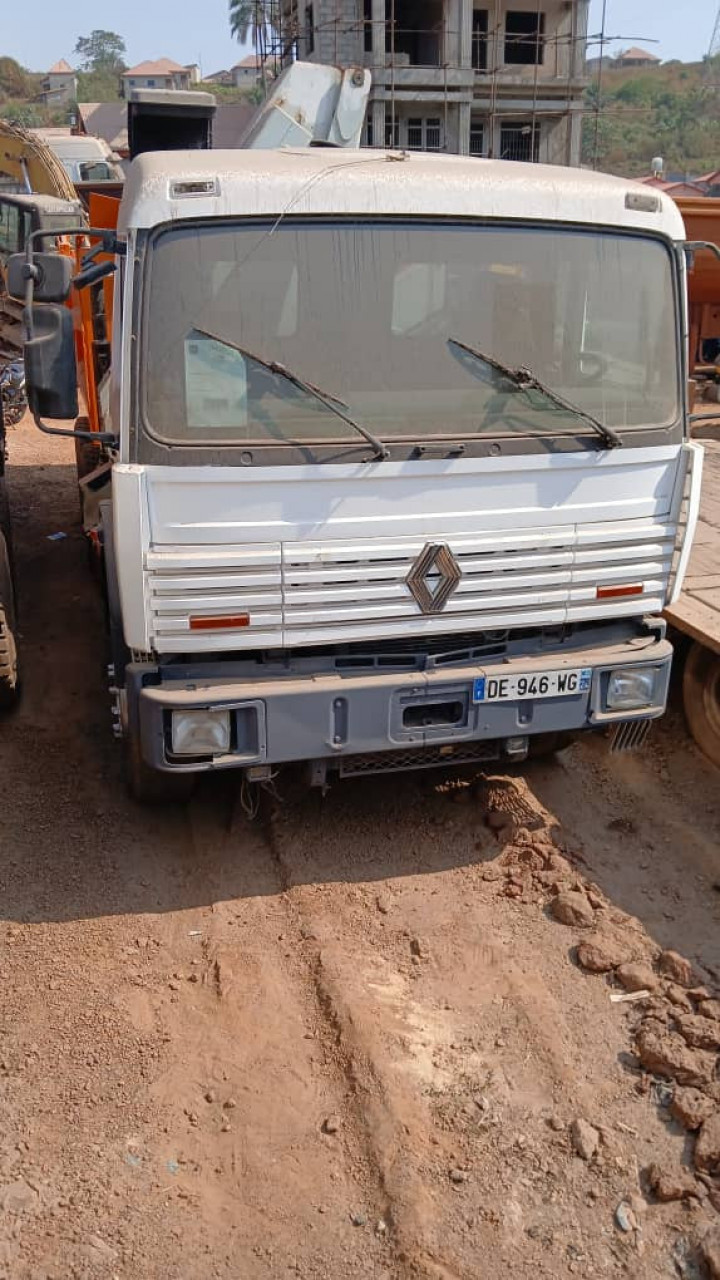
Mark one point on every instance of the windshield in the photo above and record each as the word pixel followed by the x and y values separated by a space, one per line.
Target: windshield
pixel 372 313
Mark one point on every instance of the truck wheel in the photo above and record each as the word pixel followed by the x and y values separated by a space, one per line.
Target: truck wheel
pixel 88 456
pixel 9 681
pixel 150 786
pixel 701 699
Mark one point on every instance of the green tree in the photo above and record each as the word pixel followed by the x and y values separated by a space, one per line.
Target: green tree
pixel 99 86
pixel 22 113
pixel 246 18
pixel 101 51
pixel 251 17
pixel 15 81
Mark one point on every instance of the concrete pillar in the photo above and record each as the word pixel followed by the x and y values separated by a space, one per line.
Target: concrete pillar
pixel 579 45
pixel 466 18
pixel 378 119
pixel 463 129
pixel 378 33
pixel 496 12
pixel 574 134
pixel 451 49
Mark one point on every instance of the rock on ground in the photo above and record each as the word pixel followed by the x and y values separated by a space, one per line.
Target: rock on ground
pixel 671 1184
pixel 637 977
pixel 599 956
pixel 707 1146
pixel 665 1053
pixel 691 1107
pixel 678 968
pixel 711 1252
pixel 585 1138
pixel 698 1032
pixel 571 907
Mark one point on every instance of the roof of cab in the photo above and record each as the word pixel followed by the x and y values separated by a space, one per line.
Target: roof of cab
pixel 367 183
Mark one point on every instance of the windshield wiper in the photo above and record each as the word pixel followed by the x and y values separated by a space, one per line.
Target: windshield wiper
pixel 526 380
pixel 331 402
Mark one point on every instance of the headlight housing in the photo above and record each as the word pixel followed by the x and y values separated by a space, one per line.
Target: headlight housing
pixel 200 732
pixel 631 688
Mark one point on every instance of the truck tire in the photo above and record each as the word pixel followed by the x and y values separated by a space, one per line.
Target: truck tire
pixel 88 456
pixel 150 786
pixel 9 679
pixel 701 699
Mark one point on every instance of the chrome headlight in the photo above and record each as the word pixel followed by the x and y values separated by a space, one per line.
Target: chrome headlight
pixel 200 732
pixel 631 688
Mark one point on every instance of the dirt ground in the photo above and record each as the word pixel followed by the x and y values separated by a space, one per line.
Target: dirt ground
pixel 352 1038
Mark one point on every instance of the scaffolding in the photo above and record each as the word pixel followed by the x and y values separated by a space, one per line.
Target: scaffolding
pixel 287 29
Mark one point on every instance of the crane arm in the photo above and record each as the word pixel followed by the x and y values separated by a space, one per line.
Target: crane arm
pixel 311 102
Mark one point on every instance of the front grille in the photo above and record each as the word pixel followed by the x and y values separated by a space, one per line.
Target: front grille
pixel 305 595
pixel 417 758
pixel 547 576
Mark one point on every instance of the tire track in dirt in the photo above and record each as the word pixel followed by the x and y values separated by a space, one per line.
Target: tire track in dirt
pixel 381 960
pixel 483 1041
pixel 339 1176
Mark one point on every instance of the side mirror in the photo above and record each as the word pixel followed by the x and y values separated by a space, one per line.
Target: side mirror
pixel 50 365
pixel 52 273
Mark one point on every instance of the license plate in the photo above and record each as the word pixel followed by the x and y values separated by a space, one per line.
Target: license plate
pixel 536 684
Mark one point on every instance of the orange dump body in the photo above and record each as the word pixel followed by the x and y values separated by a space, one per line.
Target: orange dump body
pixel 93 309
pixel 701 215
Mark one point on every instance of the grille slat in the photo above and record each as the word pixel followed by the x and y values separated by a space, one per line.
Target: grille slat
pixel 339 592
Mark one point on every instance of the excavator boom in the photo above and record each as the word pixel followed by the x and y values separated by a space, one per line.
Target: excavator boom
pixel 31 164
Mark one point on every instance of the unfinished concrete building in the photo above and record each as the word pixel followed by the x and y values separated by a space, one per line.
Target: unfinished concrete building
pixel 501 78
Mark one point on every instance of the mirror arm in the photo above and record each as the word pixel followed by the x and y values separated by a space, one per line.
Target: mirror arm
pixel 99 437
pixel 92 273
pixel 691 246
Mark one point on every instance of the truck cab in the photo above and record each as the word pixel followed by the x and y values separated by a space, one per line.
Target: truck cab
pixel 401 474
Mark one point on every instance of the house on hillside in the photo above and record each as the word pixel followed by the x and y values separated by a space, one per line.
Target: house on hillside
pixel 59 85
pixel 637 58
pixel 247 73
pixel 598 63
pixel 163 73
pixel 504 79
pixel 710 183
pixel 675 187
pixel 220 77
pixel 106 120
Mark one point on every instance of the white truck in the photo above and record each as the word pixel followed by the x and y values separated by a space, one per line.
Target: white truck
pixel 400 468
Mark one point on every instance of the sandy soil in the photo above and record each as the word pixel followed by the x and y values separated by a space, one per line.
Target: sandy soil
pixel 352 1038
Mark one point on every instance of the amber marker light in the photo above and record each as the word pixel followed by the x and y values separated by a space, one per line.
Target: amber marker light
pixel 220 622
pixel 612 593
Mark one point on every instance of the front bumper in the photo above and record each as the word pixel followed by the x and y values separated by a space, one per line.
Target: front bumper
pixel 333 718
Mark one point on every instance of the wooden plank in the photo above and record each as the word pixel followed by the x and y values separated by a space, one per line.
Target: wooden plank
pixel 696 620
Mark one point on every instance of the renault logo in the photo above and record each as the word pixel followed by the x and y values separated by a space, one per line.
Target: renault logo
pixel 433 577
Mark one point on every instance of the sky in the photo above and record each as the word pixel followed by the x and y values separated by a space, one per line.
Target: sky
pixel 38 32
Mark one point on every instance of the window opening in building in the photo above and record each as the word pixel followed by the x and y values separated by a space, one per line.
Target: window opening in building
pixel 480 39
pixel 417 37
pixel 520 142
pixel 477 138
pixel 392 132
pixel 309 29
pixel 424 134
pixel 524 38
pixel 367 26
